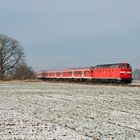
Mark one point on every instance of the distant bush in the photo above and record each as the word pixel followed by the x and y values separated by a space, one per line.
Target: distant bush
pixel 22 72
pixel 136 74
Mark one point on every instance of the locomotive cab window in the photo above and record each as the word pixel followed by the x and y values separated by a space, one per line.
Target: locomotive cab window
pixel 128 66
pixel 125 66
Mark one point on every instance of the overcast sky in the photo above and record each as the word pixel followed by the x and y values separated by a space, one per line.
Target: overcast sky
pixel 58 34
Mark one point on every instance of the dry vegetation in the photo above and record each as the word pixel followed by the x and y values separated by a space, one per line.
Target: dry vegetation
pixel 58 111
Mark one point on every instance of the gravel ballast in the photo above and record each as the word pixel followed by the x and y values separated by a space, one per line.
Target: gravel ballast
pixel 59 111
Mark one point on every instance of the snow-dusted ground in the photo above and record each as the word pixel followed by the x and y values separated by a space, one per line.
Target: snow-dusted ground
pixel 135 82
pixel 58 111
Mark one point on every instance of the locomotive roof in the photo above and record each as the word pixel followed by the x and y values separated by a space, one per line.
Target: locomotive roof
pixel 110 65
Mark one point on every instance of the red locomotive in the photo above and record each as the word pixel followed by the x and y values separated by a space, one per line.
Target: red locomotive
pixel 107 73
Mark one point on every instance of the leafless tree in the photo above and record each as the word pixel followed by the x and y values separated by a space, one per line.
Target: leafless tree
pixel 11 54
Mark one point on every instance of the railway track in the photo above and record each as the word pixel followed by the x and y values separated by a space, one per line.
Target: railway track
pixel 135 84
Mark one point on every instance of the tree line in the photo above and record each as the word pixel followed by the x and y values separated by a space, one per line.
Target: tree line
pixel 12 60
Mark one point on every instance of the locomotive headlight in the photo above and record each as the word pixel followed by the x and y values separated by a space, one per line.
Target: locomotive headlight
pixel 125 72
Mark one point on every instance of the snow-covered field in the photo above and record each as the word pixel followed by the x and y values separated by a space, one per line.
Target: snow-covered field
pixel 58 111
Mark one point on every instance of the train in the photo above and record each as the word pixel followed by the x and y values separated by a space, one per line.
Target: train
pixel 105 73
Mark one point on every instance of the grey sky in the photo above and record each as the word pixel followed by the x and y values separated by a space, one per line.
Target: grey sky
pixel 70 33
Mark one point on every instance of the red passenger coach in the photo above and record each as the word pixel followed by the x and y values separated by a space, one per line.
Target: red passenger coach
pixel 106 73
pixel 40 75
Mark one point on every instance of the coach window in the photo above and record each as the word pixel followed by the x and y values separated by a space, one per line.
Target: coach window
pixel 86 72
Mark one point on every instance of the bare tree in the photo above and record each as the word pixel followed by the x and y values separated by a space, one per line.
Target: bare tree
pixel 11 54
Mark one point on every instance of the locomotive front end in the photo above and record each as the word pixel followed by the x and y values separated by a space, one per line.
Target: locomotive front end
pixel 126 73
